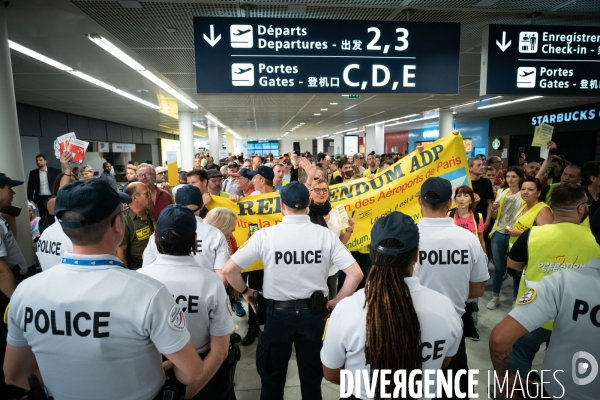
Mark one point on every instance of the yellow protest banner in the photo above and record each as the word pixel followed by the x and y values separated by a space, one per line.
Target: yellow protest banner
pixel 366 200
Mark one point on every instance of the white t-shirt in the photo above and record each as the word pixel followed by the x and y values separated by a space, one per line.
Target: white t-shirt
pixel 97 331
pixel 52 245
pixel 344 344
pixel 10 249
pixel 212 251
pixel 450 258
pixel 199 292
pixel 570 297
pixel 294 269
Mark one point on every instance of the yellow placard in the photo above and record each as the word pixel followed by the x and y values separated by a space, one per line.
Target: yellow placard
pixel 366 200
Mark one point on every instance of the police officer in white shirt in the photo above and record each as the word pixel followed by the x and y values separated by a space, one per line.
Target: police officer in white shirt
pixel 88 326
pixel 52 245
pixel 295 284
pixel 212 251
pixel 197 290
pixel 405 326
pixel 12 264
pixel 452 259
pixel 570 367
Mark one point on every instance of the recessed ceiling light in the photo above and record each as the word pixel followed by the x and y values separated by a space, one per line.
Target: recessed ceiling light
pixel 317 114
pixel 323 109
pixel 333 104
pixel 301 123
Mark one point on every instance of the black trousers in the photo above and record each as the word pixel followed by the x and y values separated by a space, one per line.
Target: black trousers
pixel 255 281
pixel 6 391
pixel 40 203
pixel 459 361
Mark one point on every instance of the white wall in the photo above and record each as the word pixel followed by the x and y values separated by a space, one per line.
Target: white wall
pixel 286 146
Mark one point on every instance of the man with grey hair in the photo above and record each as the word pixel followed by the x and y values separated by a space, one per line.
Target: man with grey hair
pixel 182 176
pixel 159 198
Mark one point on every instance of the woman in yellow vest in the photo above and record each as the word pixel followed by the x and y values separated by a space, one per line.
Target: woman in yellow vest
pixel 532 212
pixel 504 210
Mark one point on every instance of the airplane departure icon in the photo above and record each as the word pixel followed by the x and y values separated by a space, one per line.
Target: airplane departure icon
pixel 526 77
pixel 240 32
pixel 242 74
pixel 241 36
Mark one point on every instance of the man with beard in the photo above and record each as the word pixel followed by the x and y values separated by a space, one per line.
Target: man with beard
pixel 346 172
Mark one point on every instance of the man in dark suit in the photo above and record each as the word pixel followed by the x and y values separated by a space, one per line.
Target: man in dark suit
pixel 40 183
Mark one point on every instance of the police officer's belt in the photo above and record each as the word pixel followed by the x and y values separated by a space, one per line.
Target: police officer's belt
pixel 290 304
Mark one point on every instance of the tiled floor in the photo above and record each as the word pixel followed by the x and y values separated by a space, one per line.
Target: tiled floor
pixel 247 381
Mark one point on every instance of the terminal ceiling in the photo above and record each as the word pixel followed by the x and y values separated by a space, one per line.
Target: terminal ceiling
pixel 159 35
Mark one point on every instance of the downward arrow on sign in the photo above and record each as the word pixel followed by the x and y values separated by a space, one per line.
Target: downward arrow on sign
pixel 212 41
pixel 502 46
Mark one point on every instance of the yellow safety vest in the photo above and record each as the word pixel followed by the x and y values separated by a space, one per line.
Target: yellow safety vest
pixel 554 247
pixel 548 198
pixel 472 216
pixel 504 194
pixel 526 220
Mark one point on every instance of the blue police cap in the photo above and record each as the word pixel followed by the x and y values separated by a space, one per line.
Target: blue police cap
pixel 295 195
pixel 395 225
pixel 188 194
pixel 436 190
pixel 176 218
pixel 94 199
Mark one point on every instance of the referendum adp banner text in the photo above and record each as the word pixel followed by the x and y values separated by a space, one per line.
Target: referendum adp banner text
pixel 395 189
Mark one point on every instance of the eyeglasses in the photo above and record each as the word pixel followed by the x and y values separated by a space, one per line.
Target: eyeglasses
pixel 360 158
pixel 321 191
pixel 160 173
pixel 589 202
pixel 146 193
pixel 149 174
pixel 215 180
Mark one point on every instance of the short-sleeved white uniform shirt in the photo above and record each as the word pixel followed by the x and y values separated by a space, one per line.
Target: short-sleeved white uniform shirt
pixel 97 329
pixel 296 255
pixel 344 344
pixel 212 251
pixel 450 258
pixel 52 245
pixel 570 297
pixel 10 249
pixel 200 294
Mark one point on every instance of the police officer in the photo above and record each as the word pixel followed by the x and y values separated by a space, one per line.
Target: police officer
pixel 211 250
pixel 89 326
pixel 12 264
pixel 52 245
pixel 543 250
pixel 400 311
pixel 452 259
pixel 295 284
pixel 197 290
pixel 570 298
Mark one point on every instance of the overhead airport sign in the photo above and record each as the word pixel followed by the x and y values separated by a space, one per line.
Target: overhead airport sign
pixel 540 60
pixel 251 55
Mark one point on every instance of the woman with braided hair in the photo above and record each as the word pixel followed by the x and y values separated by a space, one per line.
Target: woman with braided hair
pixel 394 323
